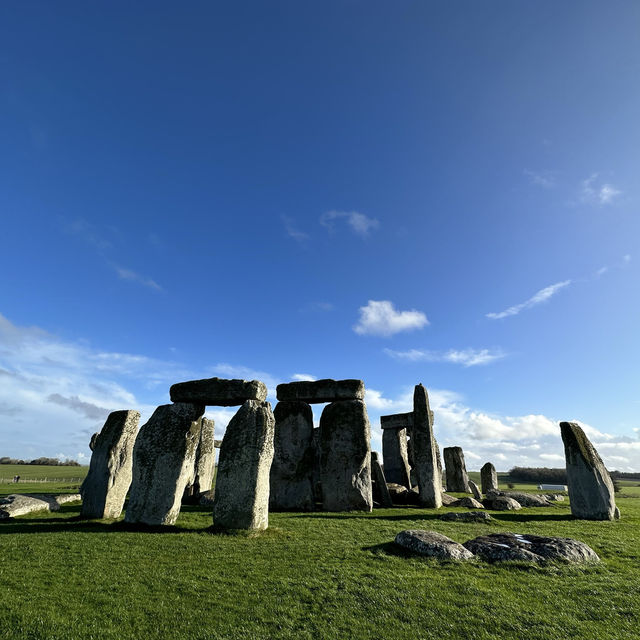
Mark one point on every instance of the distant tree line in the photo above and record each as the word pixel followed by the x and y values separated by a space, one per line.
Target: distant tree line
pixel 49 462
pixel 544 475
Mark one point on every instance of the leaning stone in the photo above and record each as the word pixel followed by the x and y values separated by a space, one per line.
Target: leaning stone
pixel 456 471
pixel 345 457
pixel 397 421
pixel 488 478
pixel 424 450
pixel 432 544
pixel 501 503
pixel 218 391
pixel 317 391
pixel 205 463
pixel 469 503
pixel 475 490
pixel 448 500
pixel 591 494
pixel 242 484
pixel 163 459
pixel 396 457
pixel 291 475
pixel 381 492
pixel 466 516
pixel 105 488
pixel 498 547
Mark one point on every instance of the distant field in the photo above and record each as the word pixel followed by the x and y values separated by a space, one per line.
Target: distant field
pixel 40 478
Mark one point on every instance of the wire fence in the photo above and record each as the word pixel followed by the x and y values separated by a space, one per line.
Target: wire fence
pixel 41 480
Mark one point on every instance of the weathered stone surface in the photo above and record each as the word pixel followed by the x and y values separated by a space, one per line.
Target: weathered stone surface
pixel 498 547
pixel 217 443
pixel 469 503
pixel 317 391
pixel 488 478
pixel 501 503
pixel 469 516
pixel 448 501
pixel 291 475
pixel 475 490
pixel 241 498
pixel 456 471
pixel 525 499
pixel 317 483
pixel 105 488
pixel 397 421
pixel 220 392
pixel 380 490
pixel 163 459
pixel 396 457
pixel 616 513
pixel 18 504
pixel 591 494
pixel 205 499
pixel 554 497
pixel 92 442
pixel 205 463
pixel 397 492
pixel 345 457
pixel 432 544
pixel 424 450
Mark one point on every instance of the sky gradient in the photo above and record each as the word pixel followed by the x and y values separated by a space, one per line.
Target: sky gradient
pixel 407 192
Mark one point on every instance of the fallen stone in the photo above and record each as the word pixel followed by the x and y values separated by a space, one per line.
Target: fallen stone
pixel 525 499
pixel 488 478
pixel 425 450
pixel 498 547
pixel 591 494
pixel 345 457
pixel 554 497
pixel 242 484
pixel 291 476
pixel 396 456
pixel 105 488
pixel 475 490
pixel 205 463
pixel 432 544
pixel 501 503
pixel 317 391
pixel 163 463
pixel 469 503
pixel 448 500
pixel 397 421
pixel 218 392
pixel 397 492
pixel 455 470
pixel 19 504
pixel 380 490
pixel 469 516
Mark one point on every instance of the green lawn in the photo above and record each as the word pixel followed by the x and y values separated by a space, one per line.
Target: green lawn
pixel 310 576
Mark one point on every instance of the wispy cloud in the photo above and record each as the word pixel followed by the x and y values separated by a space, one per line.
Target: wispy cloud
pixel 538 298
pixel 597 192
pixel 132 276
pixel 546 179
pixel 359 222
pixel 292 231
pixel 625 261
pixel 89 233
pixel 380 318
pixel 464 357
pixel 301 377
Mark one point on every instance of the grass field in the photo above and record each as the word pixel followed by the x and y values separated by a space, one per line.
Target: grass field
pixel 311 576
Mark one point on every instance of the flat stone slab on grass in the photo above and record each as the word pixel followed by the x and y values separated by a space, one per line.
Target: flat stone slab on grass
pixel 432 544
pixel 19 504
pixel 469 503
pixel 501 503
pixel 219 392
pixel 319 391
pixel 498 547
pixel 525 499
pixel 470 516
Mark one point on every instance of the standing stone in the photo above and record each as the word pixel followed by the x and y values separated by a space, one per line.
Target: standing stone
pixel 488 478
pixel 105 487
pixel 475 490
pixel 163 459
pixel 424 450
pixel 291 476
pixel 591 494
pixel 396 456
pixel 317 482
pixel 345 457
pixel 380 489
pixel 456 471
pixel 242 485
pixel 205 462
pixel 218 391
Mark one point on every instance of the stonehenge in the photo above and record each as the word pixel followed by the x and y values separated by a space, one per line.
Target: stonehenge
pixel 105 488
pixel 455 469
pixel 321 391
pixel 591 494
pixel 424 451
pixel 488 478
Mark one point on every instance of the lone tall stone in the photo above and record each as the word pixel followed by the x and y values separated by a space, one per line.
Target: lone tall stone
pixel 590 487
pixel 163 462
pixel 291 476
pixel 424 451
pixel 205 461
pixel 488 478
pixel 242 484
pixel 105 487
pixel 396 456
pixel 455 469
pixel 345 457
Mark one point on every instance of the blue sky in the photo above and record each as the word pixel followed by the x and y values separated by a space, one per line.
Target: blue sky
pixel 406 192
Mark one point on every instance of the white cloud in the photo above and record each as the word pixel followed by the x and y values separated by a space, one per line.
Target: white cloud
pixel 380 318
pixel 546 179
pixel 292 231
pixel 132 276
pixel 301 377
pixel 597 192
pixel 359 223
pixel 538 298
pixel 465 357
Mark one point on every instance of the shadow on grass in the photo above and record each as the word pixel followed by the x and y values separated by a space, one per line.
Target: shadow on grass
pixel 405 515
pixel 517 516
